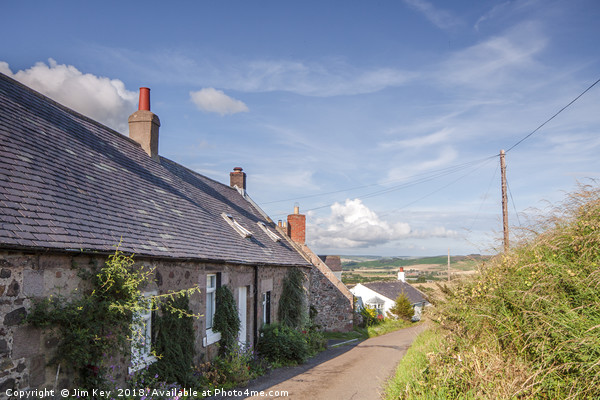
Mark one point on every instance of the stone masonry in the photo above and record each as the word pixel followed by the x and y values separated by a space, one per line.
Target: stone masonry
pixel 26 352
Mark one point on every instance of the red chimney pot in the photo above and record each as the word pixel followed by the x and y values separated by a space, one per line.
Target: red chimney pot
pixel 144 99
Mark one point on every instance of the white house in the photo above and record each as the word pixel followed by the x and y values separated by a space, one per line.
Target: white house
pixel 382 295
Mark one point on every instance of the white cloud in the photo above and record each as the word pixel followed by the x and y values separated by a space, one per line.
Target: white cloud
pixel 440 18
pixel 497 62
pixel 320 80
pixel 288 179
pixel 420 141
pixel 103 99
pixel 354 225
pixel 323 78
pixel 496 10
pixel 446 156
pixel 436 231
pixel 213 100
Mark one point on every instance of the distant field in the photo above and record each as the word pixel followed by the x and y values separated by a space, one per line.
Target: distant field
pixel 417 269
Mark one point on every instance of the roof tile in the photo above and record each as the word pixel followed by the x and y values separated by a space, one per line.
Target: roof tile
pixel 79 184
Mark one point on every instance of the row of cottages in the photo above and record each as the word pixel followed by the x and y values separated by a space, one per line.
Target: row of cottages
pixel 71 189
pixel 382 295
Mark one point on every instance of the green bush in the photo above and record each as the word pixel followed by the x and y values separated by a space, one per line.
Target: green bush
pixel 402 308
pixel 99 323
pixel 370 317
pixel 227 320
pixel 281 344
pixel 292 310
pixel 95 324
pixel 315 341
pixel 235 366
pixel 175 351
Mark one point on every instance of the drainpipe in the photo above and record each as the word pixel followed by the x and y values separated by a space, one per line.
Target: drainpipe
pixel 255 341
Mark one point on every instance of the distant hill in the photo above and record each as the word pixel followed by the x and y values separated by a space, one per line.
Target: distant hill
pixel 350 263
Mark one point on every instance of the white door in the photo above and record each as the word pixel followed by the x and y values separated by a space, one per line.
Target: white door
pixel 242 310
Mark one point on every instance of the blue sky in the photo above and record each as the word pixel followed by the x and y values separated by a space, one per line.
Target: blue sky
pixel 381 119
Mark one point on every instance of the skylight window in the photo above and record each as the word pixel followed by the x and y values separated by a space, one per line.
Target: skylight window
pixel 269 232
pixel 245 233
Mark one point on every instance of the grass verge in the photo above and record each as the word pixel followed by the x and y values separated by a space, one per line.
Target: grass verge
pixel 528 325
pixel 409 378
pixel 387 326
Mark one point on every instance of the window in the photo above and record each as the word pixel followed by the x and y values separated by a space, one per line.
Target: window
pixel 212 283
pixel 141 335
pixel 269 232
pixel 266 307
pixel 245 233
pixel 211 302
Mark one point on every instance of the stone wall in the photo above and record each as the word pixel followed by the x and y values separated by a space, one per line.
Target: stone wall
pixel 328 296
pixel 334 310
pixel 25 352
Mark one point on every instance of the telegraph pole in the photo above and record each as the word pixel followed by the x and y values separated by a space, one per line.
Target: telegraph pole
pixel 504 200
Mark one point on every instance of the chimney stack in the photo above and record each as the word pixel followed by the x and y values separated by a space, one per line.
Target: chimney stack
pixel 296 226
pixel 143 125
pixel 237 178
pixel 401 274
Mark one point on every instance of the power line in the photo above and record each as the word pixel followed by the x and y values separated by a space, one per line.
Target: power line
pixel 484 197
pixel 444 172
pixel 428 176
pixel 441 188
pixel 513 203
pixel 434 174
pixel 552 117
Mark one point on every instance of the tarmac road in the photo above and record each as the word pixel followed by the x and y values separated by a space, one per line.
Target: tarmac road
pixel 346 373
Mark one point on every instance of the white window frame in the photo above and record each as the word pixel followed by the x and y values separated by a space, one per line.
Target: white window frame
pixel 245 233
pixel 211 298
pixel 141 340
pixel 269 232
pixel 266 311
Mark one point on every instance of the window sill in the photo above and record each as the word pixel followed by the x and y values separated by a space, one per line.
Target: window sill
pixel 141 363
pixel 211 337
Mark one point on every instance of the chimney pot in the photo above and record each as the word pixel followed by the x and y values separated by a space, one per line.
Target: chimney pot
pixel 144 103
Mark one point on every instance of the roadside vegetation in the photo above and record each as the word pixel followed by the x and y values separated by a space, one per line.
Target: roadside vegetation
pixel 101 328
pixel 526 327
pixel 375 324
pixel 387 326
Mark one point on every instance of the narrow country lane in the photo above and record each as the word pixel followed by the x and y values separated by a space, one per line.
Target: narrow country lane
pixel 358 374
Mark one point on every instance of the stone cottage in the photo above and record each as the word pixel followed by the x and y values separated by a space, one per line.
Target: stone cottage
pixel 71 189
pixel 331 302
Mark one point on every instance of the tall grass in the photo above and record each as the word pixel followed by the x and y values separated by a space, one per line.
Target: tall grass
pixel 527 326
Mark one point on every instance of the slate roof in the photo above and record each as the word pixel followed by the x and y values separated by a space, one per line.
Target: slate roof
pixel 392 289
pixel 70 183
